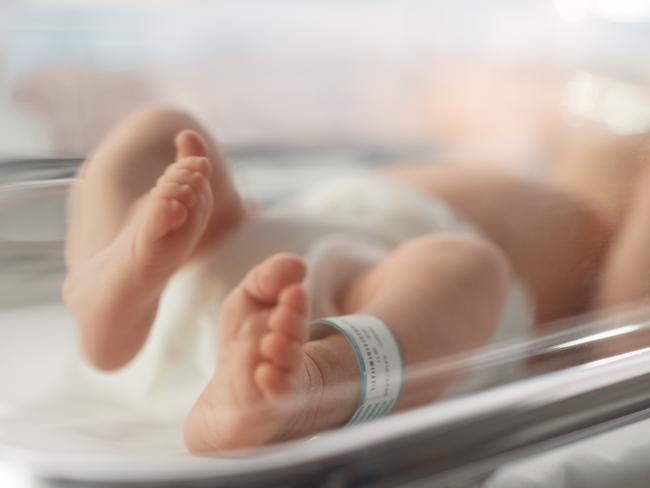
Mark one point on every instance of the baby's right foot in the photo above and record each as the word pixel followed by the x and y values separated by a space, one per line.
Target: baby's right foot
pixel 115 294
pixel 265 386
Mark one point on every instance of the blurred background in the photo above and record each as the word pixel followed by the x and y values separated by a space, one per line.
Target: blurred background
pixel 509 81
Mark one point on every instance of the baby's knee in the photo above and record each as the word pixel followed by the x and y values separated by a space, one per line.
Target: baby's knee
pixel 644 181
pixel 465 257
pixel 162 117
pixel 640 204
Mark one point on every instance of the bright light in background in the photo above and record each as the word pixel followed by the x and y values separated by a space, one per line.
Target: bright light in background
pixel 572 10
pixel 623 10
pixel 614 10
pixel 621 106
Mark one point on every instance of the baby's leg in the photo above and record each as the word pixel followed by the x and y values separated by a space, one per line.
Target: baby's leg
pixel 124 168
pixel 135 217
pixel 440 295
pixel 604 171
pixel 626 276
pixel 614 174
pixel 556 241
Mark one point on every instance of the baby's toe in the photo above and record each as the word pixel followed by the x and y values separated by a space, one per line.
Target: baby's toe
pixel 204 192
pixel 194 164
pixel 163 216
pixel 183 176
pixel 181 192
pixel 273 381
pixel 290 316
pixel 267 281
pixel 189 143
pixel 281 351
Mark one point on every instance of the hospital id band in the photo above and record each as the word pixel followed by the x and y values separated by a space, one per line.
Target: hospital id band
pixel 380 363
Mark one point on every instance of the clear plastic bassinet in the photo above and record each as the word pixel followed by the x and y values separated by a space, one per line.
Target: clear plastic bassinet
pixel 68 70
pixel 558 400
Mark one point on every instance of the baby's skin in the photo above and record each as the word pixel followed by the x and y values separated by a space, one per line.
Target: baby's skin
pixel 262 323
pixel 271 382
pixel 276 379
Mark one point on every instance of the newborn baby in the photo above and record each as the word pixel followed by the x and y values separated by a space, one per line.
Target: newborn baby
pixel 157 195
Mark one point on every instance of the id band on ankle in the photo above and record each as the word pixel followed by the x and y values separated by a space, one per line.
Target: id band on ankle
pixel 380 363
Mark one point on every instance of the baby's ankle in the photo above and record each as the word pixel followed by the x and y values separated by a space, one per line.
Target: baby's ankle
pixel 311 387
pixel 335 366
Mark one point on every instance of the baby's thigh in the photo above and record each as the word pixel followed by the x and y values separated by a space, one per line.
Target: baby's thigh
pixel 555 240
pixel 455 268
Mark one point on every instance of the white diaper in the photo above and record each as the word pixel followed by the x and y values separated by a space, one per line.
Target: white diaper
pixel 340 227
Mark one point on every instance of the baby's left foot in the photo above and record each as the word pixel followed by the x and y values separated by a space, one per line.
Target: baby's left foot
pixel 254 396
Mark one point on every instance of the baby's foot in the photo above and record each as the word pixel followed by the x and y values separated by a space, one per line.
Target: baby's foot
pixel 253 397
pixel 114 295
pixel 171 219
